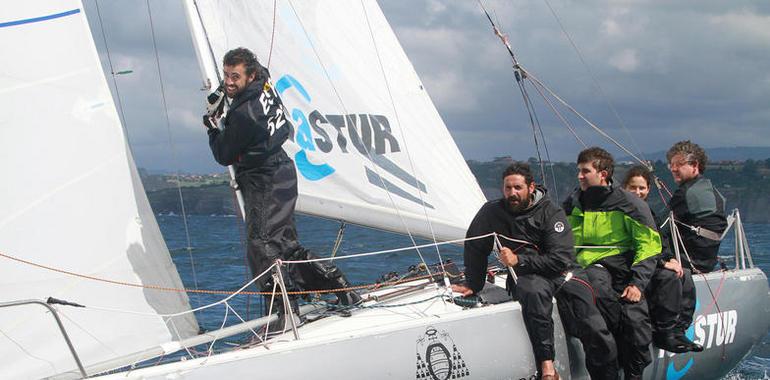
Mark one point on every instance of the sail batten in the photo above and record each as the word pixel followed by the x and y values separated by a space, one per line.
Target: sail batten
pixel 369 145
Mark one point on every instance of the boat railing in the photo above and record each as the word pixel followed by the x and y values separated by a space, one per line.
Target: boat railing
pixel 742 251
pixel 58 322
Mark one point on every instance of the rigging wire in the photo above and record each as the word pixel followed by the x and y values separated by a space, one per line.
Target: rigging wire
pixel 593 78
pixel 534 121
pixel 172 146
pixel 533 79
pixel 545 148
pixel 368 152
pixel 338 240
pixel 536 125
pixel 561 117
pixel 398 122
pixel 236 200
pixel 598 130
pixel 532 115
pixel 121 115
pixel 272 35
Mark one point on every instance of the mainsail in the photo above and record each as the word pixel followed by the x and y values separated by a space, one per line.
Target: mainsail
pixel 369 145
pixel 72 201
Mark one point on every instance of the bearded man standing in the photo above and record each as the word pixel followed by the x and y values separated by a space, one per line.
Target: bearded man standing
pixel 255 129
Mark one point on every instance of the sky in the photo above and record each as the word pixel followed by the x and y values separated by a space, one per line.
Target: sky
pixel 649 73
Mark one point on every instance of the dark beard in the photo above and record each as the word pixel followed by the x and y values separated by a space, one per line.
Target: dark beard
pixel 519 207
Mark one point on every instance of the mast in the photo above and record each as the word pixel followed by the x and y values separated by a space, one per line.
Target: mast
pixel 210 75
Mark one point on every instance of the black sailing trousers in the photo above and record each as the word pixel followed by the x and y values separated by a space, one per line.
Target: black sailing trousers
pixel 579 316
pixel 629 322
pixel 664 299
pixel 688 301
pixel 671 301
pixel 270 195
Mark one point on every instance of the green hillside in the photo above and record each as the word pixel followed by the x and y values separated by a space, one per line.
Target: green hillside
pixel 745 185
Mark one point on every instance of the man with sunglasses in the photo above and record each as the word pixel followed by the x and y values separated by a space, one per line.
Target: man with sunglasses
pixel 699 213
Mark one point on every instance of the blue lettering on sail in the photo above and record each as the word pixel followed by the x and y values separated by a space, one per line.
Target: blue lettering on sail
pixel 309 170
pixel 368 134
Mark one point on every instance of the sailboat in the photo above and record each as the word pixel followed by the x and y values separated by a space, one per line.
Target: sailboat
pixel 87 284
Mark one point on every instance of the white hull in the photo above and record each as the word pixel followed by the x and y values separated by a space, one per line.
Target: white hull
pixel 489 342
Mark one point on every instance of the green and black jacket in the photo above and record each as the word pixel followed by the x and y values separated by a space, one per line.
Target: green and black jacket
pixel 621 227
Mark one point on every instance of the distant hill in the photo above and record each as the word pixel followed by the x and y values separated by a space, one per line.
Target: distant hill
pixel 745 185
pixel 738 153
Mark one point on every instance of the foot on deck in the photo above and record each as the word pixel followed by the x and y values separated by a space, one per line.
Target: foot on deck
pixel 348 298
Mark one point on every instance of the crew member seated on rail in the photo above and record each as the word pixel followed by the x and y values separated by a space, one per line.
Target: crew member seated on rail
pixel 699 211
pixel 537 243
pixel 664 292
pixel 618 244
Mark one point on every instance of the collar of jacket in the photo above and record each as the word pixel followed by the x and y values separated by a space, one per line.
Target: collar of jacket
pixel 594 196
pixel 692 181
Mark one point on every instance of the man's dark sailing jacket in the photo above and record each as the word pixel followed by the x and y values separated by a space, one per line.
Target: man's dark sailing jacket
pixel 697 203
pixel 255 127
pixel 622 230
pixel 549 249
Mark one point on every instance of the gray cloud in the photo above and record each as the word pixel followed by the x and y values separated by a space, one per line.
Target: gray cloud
pixel 694 69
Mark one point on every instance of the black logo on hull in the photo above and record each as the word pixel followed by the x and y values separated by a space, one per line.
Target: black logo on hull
pixel 435 361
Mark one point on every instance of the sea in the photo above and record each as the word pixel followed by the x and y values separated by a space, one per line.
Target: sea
pixel 209 254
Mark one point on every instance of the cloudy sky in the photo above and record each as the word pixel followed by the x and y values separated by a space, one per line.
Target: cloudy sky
pixel 671 70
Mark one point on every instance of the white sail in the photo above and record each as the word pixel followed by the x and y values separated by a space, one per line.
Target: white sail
pixel 71 200
pixel 369 146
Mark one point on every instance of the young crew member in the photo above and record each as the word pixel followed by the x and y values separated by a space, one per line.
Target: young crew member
pixel 618 244
pixel 664 292
pixel 255 129
pixel 541 256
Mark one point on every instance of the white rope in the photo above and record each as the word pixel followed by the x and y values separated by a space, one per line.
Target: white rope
pixel 394 250
pixel 176 330
pixel 224 321
pixel 514 240
pixel 244 321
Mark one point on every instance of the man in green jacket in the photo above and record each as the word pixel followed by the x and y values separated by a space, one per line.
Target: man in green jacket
pixel 618 244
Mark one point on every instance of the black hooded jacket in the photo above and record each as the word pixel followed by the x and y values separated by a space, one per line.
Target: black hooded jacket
pixel 549 251
pixel 255 127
